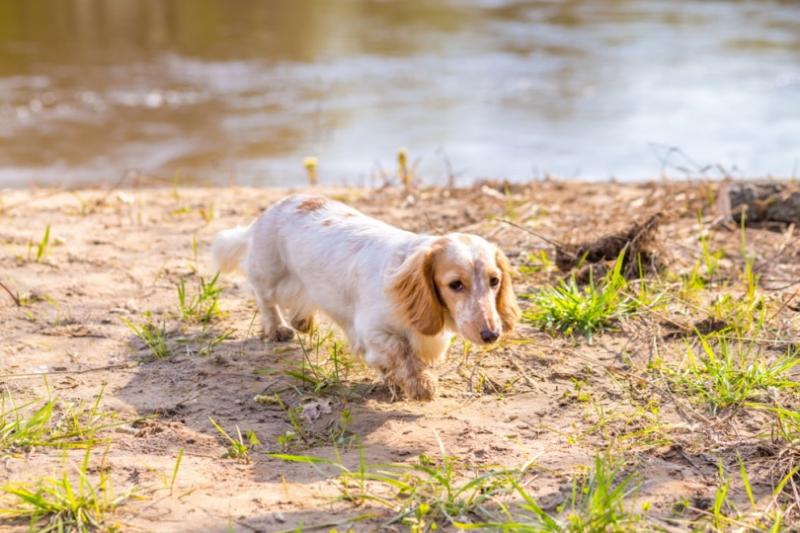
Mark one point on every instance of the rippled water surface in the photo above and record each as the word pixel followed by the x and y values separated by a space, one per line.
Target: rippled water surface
pixel 243 90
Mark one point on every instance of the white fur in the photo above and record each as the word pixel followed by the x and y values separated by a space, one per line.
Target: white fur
pixel 229 248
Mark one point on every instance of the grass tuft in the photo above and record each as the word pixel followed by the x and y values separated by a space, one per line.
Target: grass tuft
pixel 53 424
pixel 238 448
pixel 336 433
pixel 537 262
pixel 726 515
pixel 425 495
pixel 65 504
pixel 569 309
pixel 431 494
pixel 203 306
pixel 152 335
pixel 726 374
pixel 42 245
pixel 326 366
pixel 596 503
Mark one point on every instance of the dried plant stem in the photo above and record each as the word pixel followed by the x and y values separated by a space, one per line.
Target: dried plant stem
pixel 14 297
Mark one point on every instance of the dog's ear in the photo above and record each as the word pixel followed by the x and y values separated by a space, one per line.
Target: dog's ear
pixel 414 291
pixel 506 303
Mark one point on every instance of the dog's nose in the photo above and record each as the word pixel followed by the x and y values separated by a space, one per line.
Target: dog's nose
pixel 488 335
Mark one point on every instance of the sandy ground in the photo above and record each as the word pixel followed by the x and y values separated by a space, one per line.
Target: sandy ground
pixel 555 401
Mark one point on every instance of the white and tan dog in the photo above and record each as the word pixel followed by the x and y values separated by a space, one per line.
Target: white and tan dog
pixel 397 295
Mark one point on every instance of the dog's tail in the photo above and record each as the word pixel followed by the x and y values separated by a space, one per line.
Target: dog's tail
pixel 229 248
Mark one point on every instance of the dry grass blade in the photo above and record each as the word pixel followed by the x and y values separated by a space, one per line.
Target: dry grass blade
pixel 15 297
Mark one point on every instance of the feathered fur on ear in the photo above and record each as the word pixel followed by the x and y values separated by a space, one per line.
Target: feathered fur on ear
pixel 414 291
pixel 506 303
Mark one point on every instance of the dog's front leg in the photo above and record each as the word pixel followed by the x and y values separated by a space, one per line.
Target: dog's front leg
pixel 400 367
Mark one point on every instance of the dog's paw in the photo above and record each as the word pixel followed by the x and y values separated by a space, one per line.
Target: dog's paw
pixel 281 334
pixel 303 324
pixel 421 387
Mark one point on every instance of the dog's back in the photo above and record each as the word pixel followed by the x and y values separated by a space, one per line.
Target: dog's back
pixel 308 252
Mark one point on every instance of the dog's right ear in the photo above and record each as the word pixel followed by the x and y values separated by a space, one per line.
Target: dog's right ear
pixel 414 292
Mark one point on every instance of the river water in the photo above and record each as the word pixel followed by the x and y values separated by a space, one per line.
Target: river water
pixel 241 91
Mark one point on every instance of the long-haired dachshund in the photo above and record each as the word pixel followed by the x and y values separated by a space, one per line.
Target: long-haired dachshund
pixel 397 295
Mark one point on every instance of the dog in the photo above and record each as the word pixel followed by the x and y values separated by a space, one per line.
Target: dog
pixel 397 295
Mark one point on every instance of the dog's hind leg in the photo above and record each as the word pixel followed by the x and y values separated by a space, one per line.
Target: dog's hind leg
pixel 272 322
pixel 303 322
pixel 266 274
pixel 264 281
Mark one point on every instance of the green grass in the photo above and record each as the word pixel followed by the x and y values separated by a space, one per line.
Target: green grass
pixel 53 423
pixel 788 421
pixel 203 306
pixel 728 373
pixel 537 262
pixel 207 212
pixel 212 340
pixel 569 309
pixel 40 247
pixel 152 335
pixel 336 434
pixel 297 434
pixel 435 493
pixel 238 448
pixel 596 504
pixel 705 270
pixel 326 365
pixel 742 314
pixel 424 495
pixel 749 278
pixel 629 431
pixel 175 470
pixel 65 502
pixel 725 515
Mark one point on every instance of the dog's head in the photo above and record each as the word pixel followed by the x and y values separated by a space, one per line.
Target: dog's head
pixel 461 281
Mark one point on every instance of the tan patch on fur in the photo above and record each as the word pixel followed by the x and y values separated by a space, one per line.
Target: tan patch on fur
pixel 326 223
pixel 311 204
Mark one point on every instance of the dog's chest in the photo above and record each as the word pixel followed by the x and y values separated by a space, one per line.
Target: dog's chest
pixel 432 348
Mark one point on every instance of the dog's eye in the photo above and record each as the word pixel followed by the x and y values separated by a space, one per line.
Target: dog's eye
pixel 456 286
pixel 494 281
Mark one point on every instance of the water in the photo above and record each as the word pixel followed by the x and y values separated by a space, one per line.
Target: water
pixel 241 91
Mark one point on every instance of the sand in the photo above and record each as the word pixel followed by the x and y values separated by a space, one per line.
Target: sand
pixel 554 401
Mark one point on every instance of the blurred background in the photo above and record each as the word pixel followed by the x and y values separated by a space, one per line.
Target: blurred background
pixel 241 91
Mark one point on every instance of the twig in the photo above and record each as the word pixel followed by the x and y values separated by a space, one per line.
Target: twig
pixel 14 297
pixel 783 306
pixel 528 230
pixel 115 186
pixel 64 372
pixel 522 372
pixel 332 524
